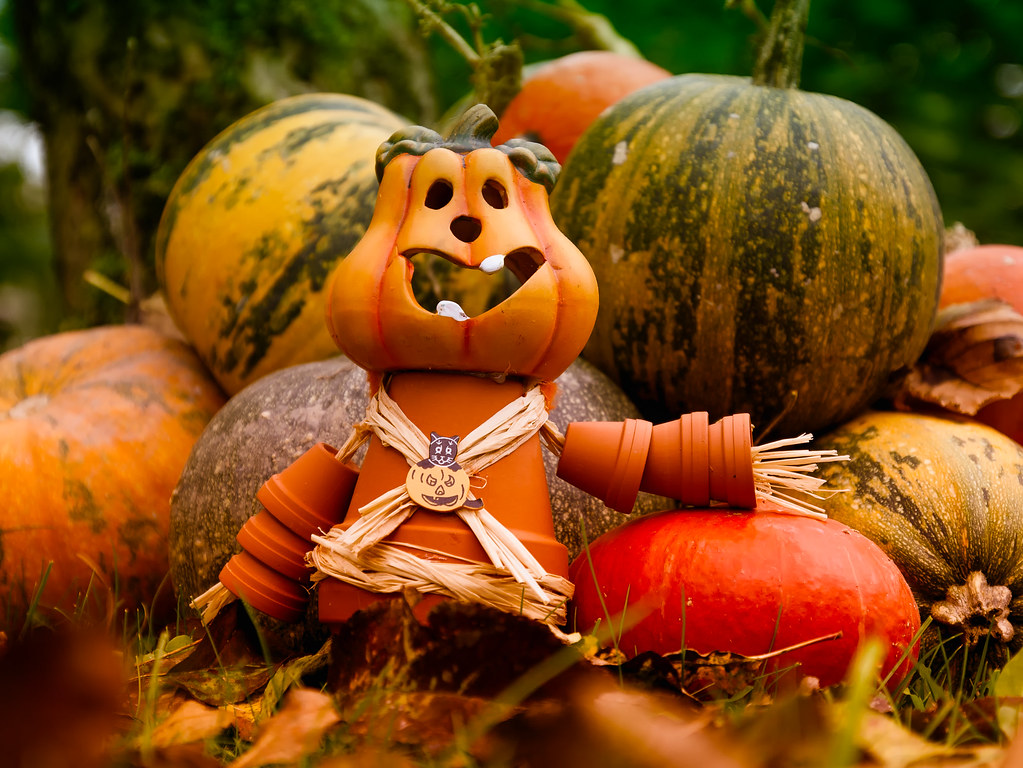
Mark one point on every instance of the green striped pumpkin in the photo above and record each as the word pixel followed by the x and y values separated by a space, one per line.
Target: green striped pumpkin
pixel 943 497
pixel 752 241
pixel 255 224
pixel 259 219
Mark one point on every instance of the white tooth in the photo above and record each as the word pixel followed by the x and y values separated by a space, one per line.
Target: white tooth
pixel 451 309
pixel 492 264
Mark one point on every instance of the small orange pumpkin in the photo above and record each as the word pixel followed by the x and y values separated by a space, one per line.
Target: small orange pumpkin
pixel 561 98
pixel 95 428
pixel 991 271
pixel 482 208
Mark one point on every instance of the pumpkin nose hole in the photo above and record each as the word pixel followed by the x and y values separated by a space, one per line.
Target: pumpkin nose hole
pixel 466 228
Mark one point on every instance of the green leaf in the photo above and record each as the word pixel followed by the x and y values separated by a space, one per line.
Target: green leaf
pixel 1009 684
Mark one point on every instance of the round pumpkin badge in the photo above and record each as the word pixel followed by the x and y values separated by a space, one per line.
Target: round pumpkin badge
pixel 438 482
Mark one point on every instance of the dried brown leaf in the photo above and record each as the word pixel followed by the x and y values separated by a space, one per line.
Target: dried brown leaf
pixel 161 664
pixel 191 721
pixel 293 733
pixel 428 721
pixel 892 745
pixel 292 673
pixel 246 717
pixel 368 757
pixel 175 756
pixel 454 651
pixel 603 724
pixel 789 730
pixel 218 687
pixel 974 357
pixel 707 675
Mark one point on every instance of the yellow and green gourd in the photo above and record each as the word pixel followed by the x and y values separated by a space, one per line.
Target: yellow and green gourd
pixel 259 219
pixel 942 496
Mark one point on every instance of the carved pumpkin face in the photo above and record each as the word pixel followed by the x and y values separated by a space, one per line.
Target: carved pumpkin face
pixel 474 205
pixel 437 487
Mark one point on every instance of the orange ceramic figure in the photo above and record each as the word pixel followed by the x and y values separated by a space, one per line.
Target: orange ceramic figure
pixel 482 208
pixel 451 500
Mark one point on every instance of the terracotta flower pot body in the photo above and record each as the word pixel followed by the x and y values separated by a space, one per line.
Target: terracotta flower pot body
pixel 264 588
pixel 688 459
pixel 312 494
pixel 307 497
pixel 513 489
pixel 268 540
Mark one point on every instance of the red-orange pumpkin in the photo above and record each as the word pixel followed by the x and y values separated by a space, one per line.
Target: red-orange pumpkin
pixel 467 201
pixel 748 583
pixel 989 272
pixel 95 428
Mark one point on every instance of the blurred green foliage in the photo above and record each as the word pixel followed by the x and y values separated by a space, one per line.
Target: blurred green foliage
pixel 125 94
pixel 947 75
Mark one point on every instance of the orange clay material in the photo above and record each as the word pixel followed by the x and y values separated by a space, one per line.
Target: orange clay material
pixel 274 545
pixel 513 489
pixel 688 459
pixel 537 331
pixel 264 588
pixel 311 494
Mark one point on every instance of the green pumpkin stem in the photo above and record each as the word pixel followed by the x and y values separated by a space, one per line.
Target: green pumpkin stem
pixel 496 67
pixel 780 58
pixel 474 128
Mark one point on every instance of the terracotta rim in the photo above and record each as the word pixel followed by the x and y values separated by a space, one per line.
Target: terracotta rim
pixel 264 588
pixel 633 448
pixel 694 450
pixel 312 494
pixel 741 487
pixel 264 537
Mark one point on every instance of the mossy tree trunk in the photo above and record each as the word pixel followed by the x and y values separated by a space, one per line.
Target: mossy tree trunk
pixel 127 93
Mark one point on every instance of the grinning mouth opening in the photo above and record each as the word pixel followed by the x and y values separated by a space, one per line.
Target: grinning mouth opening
pixel 435 274
pixel 441 501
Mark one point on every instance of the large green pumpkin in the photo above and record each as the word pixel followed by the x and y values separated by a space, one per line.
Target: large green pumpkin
pixel 751 241
pixel 943 497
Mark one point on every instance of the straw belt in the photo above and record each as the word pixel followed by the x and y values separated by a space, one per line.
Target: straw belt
pixel 512 581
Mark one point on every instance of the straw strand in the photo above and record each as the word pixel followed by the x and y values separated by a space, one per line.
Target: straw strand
pixel 779 472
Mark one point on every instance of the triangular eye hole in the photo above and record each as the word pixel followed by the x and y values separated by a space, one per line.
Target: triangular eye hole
pixel 495 195
pixel 439 194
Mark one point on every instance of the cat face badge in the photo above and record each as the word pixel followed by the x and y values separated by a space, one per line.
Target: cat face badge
pixel 438 482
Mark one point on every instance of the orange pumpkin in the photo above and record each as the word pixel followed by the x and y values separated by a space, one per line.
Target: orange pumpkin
pixel 983 272
pixel 437 487
pixel 95 428
pixel 559 99
pixel 482 208
pixel 988 272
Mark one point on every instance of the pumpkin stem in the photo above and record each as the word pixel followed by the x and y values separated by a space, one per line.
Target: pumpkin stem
pixel 496 67
pixel 976 609
pixel 780 57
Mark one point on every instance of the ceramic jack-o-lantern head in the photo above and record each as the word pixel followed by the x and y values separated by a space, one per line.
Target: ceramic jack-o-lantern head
pixel 482 208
